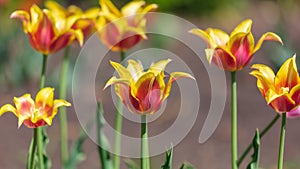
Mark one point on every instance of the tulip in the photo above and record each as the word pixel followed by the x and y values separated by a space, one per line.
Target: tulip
pixel 143 92
pixel 47 33
pixel 75 18
pixel 281 91
pixel 232 52
pixel 122 29
pixel 36 113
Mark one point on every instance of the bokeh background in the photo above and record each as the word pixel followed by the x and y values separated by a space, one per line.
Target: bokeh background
pixel 20 70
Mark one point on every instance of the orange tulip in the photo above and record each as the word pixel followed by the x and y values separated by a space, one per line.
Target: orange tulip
pixel 36 113
pixel 282 92
pixel 47 34
pixel 122 29
pixel 232 52
pixel 143 92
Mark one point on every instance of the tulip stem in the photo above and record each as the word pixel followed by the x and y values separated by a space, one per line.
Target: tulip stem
pixel 264 131
pixel 282 138
pixel 43 74
pixel 233 121
pixel 123 56
pixel 62 110
pixel 40 147
pixel 37 141
pixel 118 126
pixel 145 163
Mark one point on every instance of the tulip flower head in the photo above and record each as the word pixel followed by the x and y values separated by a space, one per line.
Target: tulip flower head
pixel 143 92
pixel 232 52
pixel 282 92
pixel 74 17
pixel 122 29
pixel 47 33
pixel 36 113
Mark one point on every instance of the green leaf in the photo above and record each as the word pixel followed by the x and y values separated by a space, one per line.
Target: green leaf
pixel 77 154
pixel 256 148
pixel 186 166
pixel 131 164
pixel 103 144
pixel 168 162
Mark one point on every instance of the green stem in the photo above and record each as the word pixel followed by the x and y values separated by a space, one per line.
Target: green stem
pixel 40 147
pixel 282 137
pixel 118 127
pixel 233 121
pixel 264 131
pixel 145 163
pixel 38 131
pixel 104 155
pixel 123 56
pixel 43 74
pixel 62 110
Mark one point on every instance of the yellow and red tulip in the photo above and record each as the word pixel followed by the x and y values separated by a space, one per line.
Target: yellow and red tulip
pixel 232 52
pixel 36 113
pixel 143 92
pixel 282 92
pixel 122 29
pixel 75 18
pixel 47 33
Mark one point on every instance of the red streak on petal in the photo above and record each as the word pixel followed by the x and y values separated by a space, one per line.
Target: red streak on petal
pixel 241 50
pixel 30 124
pixel 223 60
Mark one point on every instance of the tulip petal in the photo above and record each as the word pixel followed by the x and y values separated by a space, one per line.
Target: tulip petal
pixel 295 93
pixel 135 68
pixel 45 97
pixel 132 8
pixel 108 7
pixel 59 102
pixel 287 75
pixel 243 27
pixel 265 77
pixel 159 66
pixel 267 36
pixel 209 54
pixel 293 113
pixel 173 77
pixel 241 45
pixel 55 7
pixel 114 80
pixel 224 59
pixel 24 105
pixel 8 108
pixel 219 37
pixel 121 70
pixel 150 8
pixel 23 16
pixel 140 88
pixel 279 102
pixel 36 17
pixel 204 36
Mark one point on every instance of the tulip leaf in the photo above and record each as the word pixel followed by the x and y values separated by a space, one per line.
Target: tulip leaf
pixel 186 166
pixel 168 162
pixel 30 156
pixel 131 164
pixel 103 144
pixel 76 154
pixel 256 152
